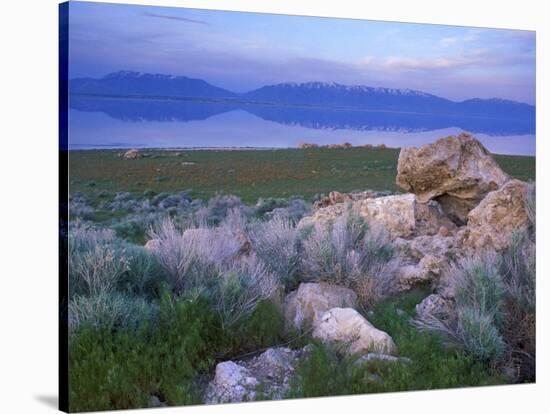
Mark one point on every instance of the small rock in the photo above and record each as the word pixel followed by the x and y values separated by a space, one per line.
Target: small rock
pixel 434 306
pixel 155 402
pixel 131 154
pixel 304 306
pixel 347 327
pixel 373 356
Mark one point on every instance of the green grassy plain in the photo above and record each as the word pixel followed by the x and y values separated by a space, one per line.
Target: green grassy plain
pixel 250 174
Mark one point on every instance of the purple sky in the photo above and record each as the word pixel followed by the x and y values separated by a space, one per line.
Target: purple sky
pixel 243 51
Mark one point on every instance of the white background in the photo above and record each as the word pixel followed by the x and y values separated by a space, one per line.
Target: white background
pixel 28 203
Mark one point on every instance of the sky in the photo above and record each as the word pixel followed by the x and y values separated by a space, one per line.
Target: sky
pixel 243 51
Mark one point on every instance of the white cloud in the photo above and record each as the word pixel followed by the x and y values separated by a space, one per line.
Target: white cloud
pixel 448 41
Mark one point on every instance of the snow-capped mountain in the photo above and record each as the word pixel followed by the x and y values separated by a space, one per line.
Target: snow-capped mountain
pixel 337 95
pixel 386 99
pixel 309 94
pixel 128 83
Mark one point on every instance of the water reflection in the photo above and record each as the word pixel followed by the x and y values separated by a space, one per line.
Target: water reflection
pixel 119 122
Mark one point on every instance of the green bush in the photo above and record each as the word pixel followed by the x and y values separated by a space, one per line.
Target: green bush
pixel 495 307
pixel 124 368
pixel 131 230
pixel 326 371
pixel 277 243
pixel 97 260
pixel 144 276
pixel 479 334
pixel 262 329
pixel 479 286
pixel 109 311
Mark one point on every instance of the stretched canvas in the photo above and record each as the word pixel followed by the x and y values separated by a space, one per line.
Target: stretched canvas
pixel 265 206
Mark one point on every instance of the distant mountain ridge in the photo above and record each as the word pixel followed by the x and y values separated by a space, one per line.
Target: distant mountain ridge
pixel 317 94
pixel 128 83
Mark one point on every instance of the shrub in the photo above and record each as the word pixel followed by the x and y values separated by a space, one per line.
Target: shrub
pixel 130 228
pixel 181 200
pixel 479 292
pixel 176 253
pixel 239 290
pixel 80 208
pixel 218 207
pixel 109 311
pixel 235 220
pixel 96 261
pixel 518 269
pixel 144 275
pixel 435 364
pixel 327 372
pixel 263 328
pixel 265 205
pixel 83 236
pixel 123 369
pixel 495 307
pixel 277 243
pixel 349 252
pixel 297 208
pixel 330 253
pixel 479 286
pixel 205 260
pixel 479 335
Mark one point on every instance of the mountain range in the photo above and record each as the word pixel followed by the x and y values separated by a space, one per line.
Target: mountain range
pixel 308 94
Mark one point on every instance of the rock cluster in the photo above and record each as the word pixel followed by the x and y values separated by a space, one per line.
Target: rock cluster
pixel 265 376
pixel 458 202
pixel 315 309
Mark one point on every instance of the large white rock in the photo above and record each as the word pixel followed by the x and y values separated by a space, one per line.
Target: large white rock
pixel 500 213
pixel 310 301
pixel 395 213
pixel 400 215
pixel 347 327
pixel 457 171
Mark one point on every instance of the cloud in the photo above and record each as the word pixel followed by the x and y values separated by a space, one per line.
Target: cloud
pixel 448 41
pixel 178 18
pixel 435 63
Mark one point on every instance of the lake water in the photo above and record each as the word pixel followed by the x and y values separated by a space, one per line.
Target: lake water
pixel 142 123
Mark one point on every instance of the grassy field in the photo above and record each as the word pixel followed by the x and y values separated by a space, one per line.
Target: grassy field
pixel 249 174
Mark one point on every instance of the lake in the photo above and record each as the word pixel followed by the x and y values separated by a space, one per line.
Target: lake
pixel 103 122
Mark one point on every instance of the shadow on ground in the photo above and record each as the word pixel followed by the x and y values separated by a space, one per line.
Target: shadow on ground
pixel 48 400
